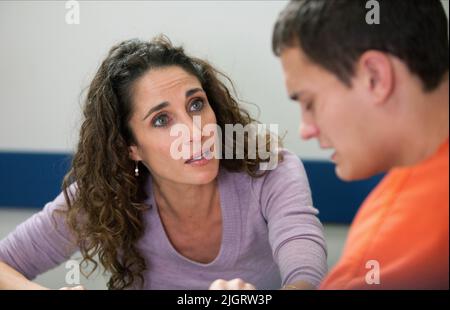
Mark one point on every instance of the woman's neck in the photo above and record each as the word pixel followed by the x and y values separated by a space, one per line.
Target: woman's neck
pixel 182 201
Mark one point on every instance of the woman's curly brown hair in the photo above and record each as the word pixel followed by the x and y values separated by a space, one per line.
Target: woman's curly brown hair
pixel 105 212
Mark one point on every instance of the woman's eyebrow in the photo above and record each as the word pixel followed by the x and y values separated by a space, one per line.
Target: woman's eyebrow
pixel 192 91
pixel 158 107
pixel 164 104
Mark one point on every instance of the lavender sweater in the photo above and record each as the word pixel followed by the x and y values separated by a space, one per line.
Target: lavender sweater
pixel 271 236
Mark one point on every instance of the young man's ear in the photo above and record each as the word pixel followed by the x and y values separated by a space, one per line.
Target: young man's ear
pixel 134 153
pixel 377 72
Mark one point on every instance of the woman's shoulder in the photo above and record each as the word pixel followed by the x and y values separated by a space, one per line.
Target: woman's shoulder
pixel 288 164
pixel 287 167
pixel 289 159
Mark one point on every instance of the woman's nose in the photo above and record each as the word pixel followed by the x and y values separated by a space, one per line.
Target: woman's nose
pixel 196 129
pixel 194 125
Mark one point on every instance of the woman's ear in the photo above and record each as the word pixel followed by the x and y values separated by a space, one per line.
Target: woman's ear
pixel 134 153
pixel 378 72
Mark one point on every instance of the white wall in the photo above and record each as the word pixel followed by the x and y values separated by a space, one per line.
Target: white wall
pixel 45 63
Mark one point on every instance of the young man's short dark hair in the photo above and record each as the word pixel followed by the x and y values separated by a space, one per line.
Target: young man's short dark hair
pixel 334 33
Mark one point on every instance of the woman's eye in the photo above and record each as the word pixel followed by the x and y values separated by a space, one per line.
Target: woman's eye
pixel 196 106
pixel 161 121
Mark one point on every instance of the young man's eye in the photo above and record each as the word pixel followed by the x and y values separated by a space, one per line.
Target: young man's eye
pixel 161 120
pixel 196 105
pixel 309 106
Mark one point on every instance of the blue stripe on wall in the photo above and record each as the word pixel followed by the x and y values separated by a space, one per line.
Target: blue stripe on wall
pixel 336 200
pixel 33 179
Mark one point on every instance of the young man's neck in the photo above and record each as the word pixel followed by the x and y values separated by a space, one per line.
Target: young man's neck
pixel 429 124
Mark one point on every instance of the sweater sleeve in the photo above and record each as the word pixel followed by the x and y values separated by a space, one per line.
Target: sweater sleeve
pixel 40 243
pixel 295 233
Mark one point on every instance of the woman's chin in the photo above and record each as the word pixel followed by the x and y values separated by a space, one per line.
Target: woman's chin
pixel 202 174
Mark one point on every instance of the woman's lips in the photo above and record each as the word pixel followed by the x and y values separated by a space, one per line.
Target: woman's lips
pixel 199 163
pixel 199 159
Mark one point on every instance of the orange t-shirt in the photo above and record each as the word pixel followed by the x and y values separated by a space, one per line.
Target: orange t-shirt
pixel 399 238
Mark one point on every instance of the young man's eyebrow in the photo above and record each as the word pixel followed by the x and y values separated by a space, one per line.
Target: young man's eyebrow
pixel 296 95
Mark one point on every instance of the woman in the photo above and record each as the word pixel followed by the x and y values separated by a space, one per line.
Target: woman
pixel 160 222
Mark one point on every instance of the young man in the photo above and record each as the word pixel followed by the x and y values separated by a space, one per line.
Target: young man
pixel 377 94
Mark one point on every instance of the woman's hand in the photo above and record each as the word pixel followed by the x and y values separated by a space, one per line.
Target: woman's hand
pixel 11 279
pixel 74 288
pixel 236 284
pixel 300 285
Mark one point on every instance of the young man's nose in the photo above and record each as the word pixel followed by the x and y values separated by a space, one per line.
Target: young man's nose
pixel 308 131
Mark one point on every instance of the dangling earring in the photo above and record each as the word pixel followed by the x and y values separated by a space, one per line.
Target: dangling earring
pixel 136 170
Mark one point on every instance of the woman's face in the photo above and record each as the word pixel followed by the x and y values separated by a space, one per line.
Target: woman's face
pixel 165 100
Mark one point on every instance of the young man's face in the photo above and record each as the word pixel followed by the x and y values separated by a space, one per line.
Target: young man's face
pixel 336 115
